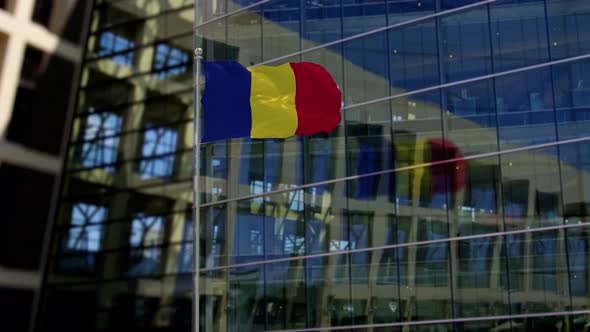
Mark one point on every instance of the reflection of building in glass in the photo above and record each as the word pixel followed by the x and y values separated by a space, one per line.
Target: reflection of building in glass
pixel 494 239
pixel 40 56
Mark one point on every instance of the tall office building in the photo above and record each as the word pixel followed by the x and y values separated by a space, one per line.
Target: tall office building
pixel 454 195
pixel 40 51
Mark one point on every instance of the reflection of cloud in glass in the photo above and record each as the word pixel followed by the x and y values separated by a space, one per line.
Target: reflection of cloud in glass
pixel 146 233
pixel 158 142
pixel 169 61
pixel 100 146
pixel 86 231
pixel 110 43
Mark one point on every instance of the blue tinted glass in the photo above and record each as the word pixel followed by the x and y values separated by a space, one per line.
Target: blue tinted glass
pixel 100 146
pixel 159 145
pixel 413 56
pixel 322 22
pixel 471 117
pixel 519 34
pixel 577 246
pixel 450 4
pixel 146 233
pixel 366 69
pixel 280 28
pixel 87 231
pixel 465 45
pixel 185 256
pixel 572 98
pixel 111 43
pixel 246 305
pixel 169 61
pixel 369 150
pixel 214 233
pixel 569 28
pixel 431 273
pixel 479 266
pixel 404 10
pixel 361 16
pixel 476 210
pixel 286 296
pixel 244 32
pixel 575 167
pixel 525 108
pixel 531 189
pixel 84 238
pixel 536 268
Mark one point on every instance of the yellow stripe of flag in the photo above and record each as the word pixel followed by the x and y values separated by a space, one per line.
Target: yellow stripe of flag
pixel 272 100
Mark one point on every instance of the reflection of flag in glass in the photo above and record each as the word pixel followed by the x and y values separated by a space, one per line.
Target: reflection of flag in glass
pixel 376 154
pixel 434 179
pixel 369 160
pixel 448 176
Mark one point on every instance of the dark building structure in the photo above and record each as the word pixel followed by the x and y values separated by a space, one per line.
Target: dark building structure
pixel 41 45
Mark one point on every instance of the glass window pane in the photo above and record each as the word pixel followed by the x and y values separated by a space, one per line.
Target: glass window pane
pixel 537 274
pixel 476 206
pixel 577 247
pixel 158 147
pixel 361 16
pixel 479 268
pixel 286 295
pixel 413 57
pixel 405 10
pixel 572 98
pixel 322 23
pixel 427 294
pixel 569 25
pixel 471 117
pixel 101 144
pixel 244 31
pixel 366 69
pixel 246 308
pixel 370 150
pixel 465 45
pixel 519 33
pixel 525 109
pixel 531 189
pixel 280 28
pixel 328 286
pixel 575 177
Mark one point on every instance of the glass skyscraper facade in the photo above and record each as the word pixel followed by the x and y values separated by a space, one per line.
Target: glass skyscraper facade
pixel 453 196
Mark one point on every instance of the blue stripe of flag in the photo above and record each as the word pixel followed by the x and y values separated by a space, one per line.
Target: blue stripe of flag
pixel 226 101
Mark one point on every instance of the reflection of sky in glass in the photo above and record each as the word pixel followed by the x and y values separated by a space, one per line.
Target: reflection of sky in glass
pixel 169 57
pixel 185 257
pixel 294 244
pixel 158 141
pixel 99 151
pixel 86 228
pixel 146 230
pixel 296 202
pixel 111 43
pixel 257 187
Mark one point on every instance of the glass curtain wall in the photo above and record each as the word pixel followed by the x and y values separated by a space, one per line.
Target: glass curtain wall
pixel 121 253
pixel 480 109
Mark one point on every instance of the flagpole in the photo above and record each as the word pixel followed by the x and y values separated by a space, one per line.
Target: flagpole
pixel 196 189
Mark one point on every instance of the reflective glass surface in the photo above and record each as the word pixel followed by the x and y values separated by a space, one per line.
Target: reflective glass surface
pixel 453 196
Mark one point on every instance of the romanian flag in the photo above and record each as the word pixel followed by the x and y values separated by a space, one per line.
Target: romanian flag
pixel 268 101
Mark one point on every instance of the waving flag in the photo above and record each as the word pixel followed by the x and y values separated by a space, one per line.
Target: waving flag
pixel 268 101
